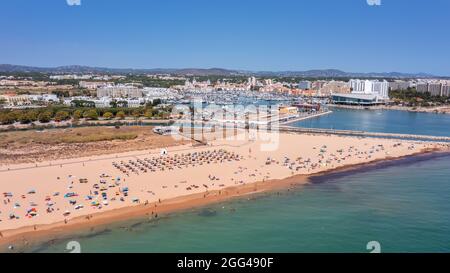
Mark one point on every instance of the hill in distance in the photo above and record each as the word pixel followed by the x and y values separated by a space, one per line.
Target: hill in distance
pixel 316 73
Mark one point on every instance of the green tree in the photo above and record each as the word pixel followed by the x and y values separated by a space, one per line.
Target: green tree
pixel 77 114
pixel 136 113
pixel 156 102
pixel 61 116
pixel 7 118
pixel 122 104
pixel 148 114
pixel 108 115
pixel 33 115
pixel 113 104
pixel 26 117
pixel 91 114
pixel 61 94
pixel 45 117
pixel 16 114
pixel 120 115
pixel 82 103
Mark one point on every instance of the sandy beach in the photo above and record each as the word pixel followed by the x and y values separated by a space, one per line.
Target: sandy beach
pixel 54 197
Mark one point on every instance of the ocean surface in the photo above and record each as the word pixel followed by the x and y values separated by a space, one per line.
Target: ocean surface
pixel 386 121
pixel 402 205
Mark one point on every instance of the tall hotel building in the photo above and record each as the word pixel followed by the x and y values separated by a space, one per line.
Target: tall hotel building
pixel 119 91
pixel 434 87
pixel 380 89
pixel 446 90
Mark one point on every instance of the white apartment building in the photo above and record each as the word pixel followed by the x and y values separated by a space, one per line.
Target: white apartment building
pixel 45 98
pixel 119 91
pixel 399 85
pixel 70 77
pixel 94 85
pixel 370 87
pixel 445 90
pixel 251 81
pixel 304 85
pixel 434 87
pixel 24 100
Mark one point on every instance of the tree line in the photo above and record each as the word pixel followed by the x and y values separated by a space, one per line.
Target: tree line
pixel 412 97
pixel 59 114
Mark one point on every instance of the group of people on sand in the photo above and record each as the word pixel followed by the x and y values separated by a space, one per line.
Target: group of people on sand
pixel 176 161
pixel 17 202
pixel 325 158
pixel 106 189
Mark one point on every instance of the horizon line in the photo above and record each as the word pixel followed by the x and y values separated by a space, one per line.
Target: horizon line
pixel 217 67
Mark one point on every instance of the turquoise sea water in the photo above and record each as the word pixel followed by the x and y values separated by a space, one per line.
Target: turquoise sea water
pixel 402 122
pixel 403 205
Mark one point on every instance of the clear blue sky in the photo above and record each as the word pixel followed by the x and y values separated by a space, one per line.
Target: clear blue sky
pixel 399 35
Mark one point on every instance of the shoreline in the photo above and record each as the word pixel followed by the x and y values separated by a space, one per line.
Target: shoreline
pixel 27 237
